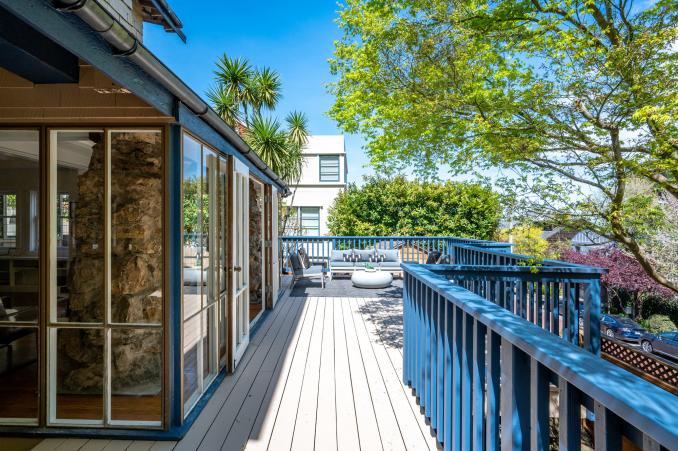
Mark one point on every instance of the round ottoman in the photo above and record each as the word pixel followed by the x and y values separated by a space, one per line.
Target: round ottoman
pixel 372 279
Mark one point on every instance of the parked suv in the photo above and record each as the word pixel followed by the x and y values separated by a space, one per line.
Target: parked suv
pixel 622 328
pixel 663 343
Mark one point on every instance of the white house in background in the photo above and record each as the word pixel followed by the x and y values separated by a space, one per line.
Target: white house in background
pixel 323 178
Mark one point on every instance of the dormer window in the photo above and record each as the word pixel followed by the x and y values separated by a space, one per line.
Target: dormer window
pixel 329 168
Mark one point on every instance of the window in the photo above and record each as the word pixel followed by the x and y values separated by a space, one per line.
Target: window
pixel 329 168
pixel 8 220
pixel 310 221
pixel 63 219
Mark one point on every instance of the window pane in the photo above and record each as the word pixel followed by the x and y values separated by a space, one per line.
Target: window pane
pixel 209 225
pixel 80 374
pixel 80 266
pixel 136 374
pixel 310 220
pixel 329 168
pixel 19 263
pixel 136 227
pixel 191 340
pixel 192 258
pixel 209 363
pixel 256 249
pixel 18 372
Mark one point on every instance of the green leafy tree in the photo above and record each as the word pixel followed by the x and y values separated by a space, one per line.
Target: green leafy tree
pixel 576 97
pixel 527 240
pixel 397 206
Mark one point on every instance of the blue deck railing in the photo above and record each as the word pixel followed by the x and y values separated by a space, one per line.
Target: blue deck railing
pixel 564 300
pixel 413 248
pixel 484 375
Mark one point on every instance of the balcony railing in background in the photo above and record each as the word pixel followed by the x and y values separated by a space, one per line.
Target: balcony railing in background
pixel 475 365
pixel 412 248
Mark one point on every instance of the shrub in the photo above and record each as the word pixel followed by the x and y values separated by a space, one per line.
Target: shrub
pixel 397 206
pixel 658 324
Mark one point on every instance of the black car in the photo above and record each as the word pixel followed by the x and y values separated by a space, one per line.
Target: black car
pixel 663 343
pixel 621 328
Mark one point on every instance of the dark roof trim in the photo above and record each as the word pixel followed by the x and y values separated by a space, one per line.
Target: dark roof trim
pixel 126 45
pixel 159 12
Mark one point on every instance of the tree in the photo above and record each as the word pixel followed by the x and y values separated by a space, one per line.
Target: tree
pixel 576 98
pixel 625 275
pixel 527 240
pixel 239 95
pixel 396 206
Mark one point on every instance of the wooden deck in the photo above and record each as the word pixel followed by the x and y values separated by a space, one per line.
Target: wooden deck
pixel 321 373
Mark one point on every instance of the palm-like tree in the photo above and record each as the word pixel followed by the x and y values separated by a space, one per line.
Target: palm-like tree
pixel 241 89
pixel 266 86
pixel 224 104
pixel 275 145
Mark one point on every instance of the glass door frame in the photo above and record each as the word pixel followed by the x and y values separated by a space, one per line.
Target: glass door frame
pixel 51 325
pixel 217 247
pixel 38 324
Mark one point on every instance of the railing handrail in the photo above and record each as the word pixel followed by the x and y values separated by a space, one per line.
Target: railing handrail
pixel 394 237
pixel 537 271
pixel 546 262
pixel 638 402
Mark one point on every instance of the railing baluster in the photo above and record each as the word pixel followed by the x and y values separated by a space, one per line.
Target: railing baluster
pixel 607 429
pixel 440 374
pixel 515 400
pixel 493 392
pixel 434 358
pixel 479 337
pixel 592 318
pixel 466 381
pixel 426 376
pixel 539 406
pixel 569 435
pixel 448 343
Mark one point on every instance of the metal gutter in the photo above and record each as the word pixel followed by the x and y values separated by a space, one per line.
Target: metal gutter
pixel 129 47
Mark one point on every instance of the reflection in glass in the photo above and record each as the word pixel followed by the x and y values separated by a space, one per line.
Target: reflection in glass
pixel 19 262
pixel 191 340
pixel 209 366
pixel 136 382
pixel 223 254
pixel 192 258
pixel 80 374
pixel 18 372
pixel 209 224
pixel 256 255
pixel 136 227
pixel 80 267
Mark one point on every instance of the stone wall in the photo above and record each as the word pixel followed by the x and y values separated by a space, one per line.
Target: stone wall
pixel 136 269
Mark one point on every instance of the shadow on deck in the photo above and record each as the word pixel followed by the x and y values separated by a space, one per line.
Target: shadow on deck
pixel 324 371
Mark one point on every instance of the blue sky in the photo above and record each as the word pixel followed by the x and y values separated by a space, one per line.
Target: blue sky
pixel 294 38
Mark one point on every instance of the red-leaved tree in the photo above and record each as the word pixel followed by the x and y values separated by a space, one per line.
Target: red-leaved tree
pixel 624 274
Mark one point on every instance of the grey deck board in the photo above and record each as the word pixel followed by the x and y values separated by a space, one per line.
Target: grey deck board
pixel 322 373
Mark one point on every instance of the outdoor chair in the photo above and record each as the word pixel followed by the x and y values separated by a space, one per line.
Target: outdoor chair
pixel 302 268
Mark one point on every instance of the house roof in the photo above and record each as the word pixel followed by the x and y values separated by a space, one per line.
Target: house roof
pixel 160 13
pixel 325 144
pixel 104 43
